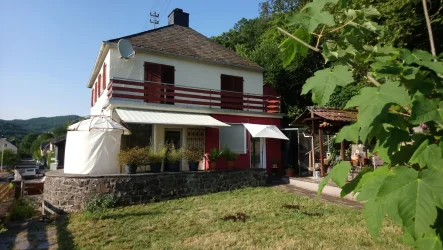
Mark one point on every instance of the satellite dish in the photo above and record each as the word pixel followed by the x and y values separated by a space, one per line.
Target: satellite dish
pixel 125 48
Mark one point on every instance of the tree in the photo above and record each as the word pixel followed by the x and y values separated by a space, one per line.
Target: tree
pixel 25 145
pixel 10 157
pixel 36 144
pixel 403 89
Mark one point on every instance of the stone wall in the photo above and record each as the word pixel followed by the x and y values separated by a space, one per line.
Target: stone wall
pixel 69 192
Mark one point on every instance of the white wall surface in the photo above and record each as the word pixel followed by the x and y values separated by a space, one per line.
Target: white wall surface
pixel 7 145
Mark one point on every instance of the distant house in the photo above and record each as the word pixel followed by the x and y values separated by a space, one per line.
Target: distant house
pixel 44 148
pixel 57 145
pixel 5 144
pixel 184 88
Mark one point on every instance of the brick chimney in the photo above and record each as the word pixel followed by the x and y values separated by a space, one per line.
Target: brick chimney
pixel 179 17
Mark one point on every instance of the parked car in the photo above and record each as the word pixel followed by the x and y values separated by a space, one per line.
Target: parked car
pixel 29 173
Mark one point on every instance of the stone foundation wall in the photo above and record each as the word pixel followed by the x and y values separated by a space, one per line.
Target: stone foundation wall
pixel 69 193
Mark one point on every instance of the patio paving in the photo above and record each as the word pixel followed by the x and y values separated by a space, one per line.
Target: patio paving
pixel 311 194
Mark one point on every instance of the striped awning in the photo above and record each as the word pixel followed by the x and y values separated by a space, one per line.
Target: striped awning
pixel 169 118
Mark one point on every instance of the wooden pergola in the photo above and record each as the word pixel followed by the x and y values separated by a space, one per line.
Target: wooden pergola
pixel 325 121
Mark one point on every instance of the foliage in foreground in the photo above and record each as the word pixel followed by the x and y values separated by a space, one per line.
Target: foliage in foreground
pixel 97 205
pixel 272 221
pixel 22 209
pixel 405 90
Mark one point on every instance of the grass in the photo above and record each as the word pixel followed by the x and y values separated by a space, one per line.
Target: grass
pixel 253 218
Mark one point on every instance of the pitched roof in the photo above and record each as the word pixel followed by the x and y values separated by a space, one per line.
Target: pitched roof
pixel 331 114
pixel 184 41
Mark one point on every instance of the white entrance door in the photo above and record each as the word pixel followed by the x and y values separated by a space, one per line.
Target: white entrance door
pixel 258 152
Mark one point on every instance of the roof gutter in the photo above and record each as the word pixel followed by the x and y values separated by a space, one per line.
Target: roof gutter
pixel 96 69
pixel 260 69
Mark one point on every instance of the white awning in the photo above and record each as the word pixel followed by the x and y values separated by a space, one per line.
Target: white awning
pixel 171 118
pixel 265 131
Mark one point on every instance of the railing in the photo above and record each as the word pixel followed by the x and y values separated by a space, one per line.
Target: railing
pixel 154 92
pixel 6 191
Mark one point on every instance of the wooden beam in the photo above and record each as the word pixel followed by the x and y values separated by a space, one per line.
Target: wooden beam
pixel 313 145
pixel 322 160
pixel 342 150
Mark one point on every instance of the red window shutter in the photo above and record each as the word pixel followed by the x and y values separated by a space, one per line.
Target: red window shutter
pixel 104 76
pixel 96 92
pixel 92 97
pixel 99 86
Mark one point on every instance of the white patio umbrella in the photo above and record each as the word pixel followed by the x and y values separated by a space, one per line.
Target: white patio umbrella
pixel 264 131
pixel 103 123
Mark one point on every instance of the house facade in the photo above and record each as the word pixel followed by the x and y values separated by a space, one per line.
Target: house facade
pixel 183 88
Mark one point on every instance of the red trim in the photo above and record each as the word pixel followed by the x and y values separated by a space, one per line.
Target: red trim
pixel 99 85
pixel 104 76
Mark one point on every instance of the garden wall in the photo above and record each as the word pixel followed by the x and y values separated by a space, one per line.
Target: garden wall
pixel 69 192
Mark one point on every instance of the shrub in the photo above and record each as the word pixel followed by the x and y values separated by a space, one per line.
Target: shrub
pixel 136 156
pixel 22 209
pixel 229 154
pixel 156 155
pixel 193 154
pixel 174 155
pixel 215 154
pixel 98 204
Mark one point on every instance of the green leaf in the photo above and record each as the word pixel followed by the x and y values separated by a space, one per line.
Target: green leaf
pixel 311 18
pixel 372 100
pixel 413 193
pixel 318 5
pixel 371 182
pixel 373 214
pixel 383 69
pixel 323 83
pixel 425 109
pixel 389 141
pixel 409 72
pixel 371 11
pixel 422 58
pixel 426 154
pixel 355 183
pixel 338 175
pixel 348 133
pixel 289 47
pixel 430 241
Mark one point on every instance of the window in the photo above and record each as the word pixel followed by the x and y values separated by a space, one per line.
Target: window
pixel 161 73
pixel 233 137
pixel 140 136
pixel 230 99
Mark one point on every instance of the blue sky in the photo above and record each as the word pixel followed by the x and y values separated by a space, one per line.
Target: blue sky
pixel 48 47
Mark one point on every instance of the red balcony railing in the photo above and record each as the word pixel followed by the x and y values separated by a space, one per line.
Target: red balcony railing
pixel 153 92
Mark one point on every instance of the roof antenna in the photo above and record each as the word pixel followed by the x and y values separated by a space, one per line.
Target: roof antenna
pixel 154 16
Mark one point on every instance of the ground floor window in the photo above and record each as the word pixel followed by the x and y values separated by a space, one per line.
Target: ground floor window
pixel 233 137
pixel 140 136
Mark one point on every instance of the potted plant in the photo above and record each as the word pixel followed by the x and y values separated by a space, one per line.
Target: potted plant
pixel 290 171
pixel 214 155
pixel 174 156
pixel 230 156
pixel 274 163
pixel 156 157
pixel 131 158
pixel 193 156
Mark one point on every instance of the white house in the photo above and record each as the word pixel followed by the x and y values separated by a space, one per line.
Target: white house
pixel 5 144
pixel 182 87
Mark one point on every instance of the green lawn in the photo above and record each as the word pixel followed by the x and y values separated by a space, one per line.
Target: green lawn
pixel 197 223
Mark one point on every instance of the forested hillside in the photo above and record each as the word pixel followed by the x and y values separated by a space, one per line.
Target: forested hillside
pixel 19 128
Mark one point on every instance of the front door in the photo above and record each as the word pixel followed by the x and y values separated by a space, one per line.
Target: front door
pixel 257 149
pixel 173 137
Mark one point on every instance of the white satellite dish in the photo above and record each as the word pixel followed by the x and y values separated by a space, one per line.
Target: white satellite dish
pixel 125 48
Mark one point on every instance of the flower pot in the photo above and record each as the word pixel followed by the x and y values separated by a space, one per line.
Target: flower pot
pixel 317 174
pixel 130 168
pixel 193 165
pixel 231 165
pixel 156 167
pixel 290 172
pixel 212 165
pixel 174 166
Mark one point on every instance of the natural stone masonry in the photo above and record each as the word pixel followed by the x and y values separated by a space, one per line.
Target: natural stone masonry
pixel 69 192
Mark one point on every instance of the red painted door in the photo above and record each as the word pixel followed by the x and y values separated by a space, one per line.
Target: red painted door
pixel 159 73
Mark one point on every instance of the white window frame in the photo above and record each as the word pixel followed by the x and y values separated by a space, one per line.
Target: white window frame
pixel 245 148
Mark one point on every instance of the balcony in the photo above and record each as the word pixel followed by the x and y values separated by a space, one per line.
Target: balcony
pixel 163 93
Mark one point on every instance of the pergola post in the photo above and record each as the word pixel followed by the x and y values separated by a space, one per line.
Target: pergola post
pixel 322 160
pixel 342 150
pixel 313 144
